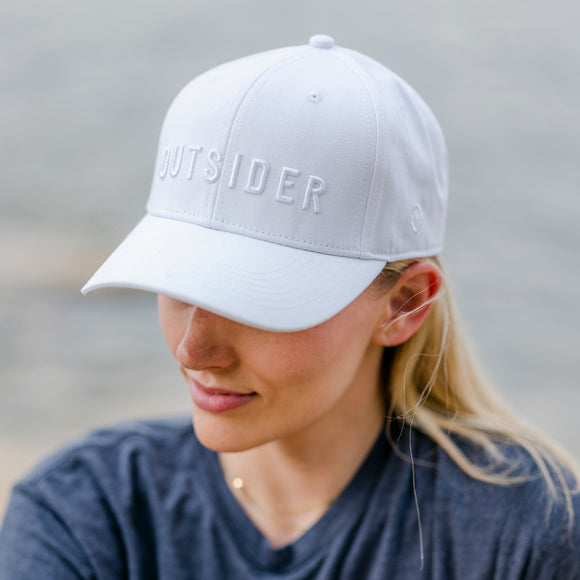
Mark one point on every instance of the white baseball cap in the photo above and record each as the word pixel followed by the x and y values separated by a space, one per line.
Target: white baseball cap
pixel 284 182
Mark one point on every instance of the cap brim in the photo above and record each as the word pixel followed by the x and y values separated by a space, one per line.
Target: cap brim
pixel 257 283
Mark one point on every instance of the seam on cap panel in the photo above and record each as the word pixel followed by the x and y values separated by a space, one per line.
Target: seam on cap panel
pixel 223 136
pixel 354 252
pixel 218 203
pixel 356 68
pixel 174 214
pixel 432 130
pixel 260 79
pixel 171 213
pixel 165 208
pixel 238 226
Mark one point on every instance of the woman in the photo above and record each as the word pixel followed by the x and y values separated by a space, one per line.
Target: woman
pixel 341 429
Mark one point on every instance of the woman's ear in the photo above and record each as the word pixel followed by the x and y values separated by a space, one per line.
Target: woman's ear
pixel 408 303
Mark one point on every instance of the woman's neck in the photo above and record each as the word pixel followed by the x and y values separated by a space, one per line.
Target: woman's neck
pixel 286 485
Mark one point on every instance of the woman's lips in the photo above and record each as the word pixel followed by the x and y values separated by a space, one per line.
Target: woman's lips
pixel 217 400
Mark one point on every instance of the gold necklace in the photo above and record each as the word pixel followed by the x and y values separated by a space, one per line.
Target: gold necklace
pixel 279 511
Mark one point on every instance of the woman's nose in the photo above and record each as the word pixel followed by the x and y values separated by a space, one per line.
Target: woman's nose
pixel 207 342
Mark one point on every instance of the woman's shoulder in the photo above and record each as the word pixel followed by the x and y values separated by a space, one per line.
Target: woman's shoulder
pixel 531 520
pixel 118 451
pixel 507 476
pixel 106 493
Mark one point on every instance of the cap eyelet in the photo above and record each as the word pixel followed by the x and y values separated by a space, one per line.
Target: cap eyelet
pixel 314 97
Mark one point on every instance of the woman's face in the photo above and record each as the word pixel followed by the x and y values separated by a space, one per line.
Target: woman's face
pixel 251 386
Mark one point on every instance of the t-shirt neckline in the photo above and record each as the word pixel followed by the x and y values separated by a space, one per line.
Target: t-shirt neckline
pixel 345 511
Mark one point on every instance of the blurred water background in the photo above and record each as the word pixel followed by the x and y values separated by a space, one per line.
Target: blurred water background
pixel 84 88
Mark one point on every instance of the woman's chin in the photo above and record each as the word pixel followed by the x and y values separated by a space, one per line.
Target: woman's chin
pixel 219 435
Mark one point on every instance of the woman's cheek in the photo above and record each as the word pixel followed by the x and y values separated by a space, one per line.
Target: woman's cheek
pixel 296 363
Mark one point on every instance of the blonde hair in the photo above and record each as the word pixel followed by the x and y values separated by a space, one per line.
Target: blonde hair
pixel 434 384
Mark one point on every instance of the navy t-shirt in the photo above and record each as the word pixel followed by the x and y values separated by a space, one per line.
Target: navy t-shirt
pixel 148 501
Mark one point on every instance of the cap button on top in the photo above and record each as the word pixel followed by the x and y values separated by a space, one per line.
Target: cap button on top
pixel 321 41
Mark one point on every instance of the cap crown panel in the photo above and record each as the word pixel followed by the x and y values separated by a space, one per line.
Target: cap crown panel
pixel 194 137
pixel 308 121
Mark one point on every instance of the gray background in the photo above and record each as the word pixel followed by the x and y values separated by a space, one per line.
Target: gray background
pixel 84 88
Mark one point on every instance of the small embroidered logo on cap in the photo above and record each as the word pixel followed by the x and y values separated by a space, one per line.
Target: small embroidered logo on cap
pixel 417 218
